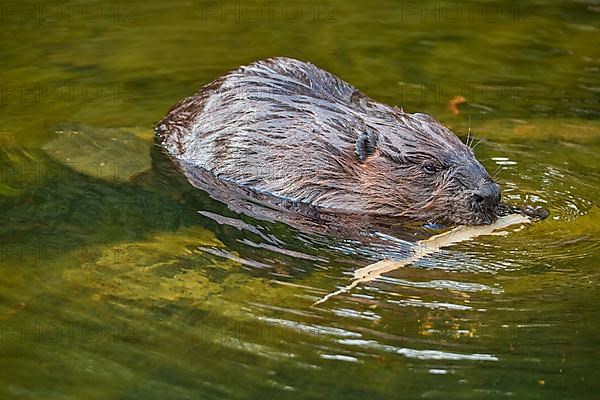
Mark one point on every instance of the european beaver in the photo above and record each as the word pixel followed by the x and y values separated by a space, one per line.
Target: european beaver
pixel 286 128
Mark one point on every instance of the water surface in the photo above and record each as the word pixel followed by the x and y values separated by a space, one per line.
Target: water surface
pixel 114 285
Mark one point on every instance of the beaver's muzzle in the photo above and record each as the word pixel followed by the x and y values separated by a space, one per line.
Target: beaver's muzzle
pixel 487 196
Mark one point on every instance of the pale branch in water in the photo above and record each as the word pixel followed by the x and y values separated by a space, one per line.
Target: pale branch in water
pixel 425 247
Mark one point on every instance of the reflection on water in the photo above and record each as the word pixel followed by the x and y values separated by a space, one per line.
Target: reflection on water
pixel 121 280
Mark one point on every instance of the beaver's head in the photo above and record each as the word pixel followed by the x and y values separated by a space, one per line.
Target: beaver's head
pixel 414 167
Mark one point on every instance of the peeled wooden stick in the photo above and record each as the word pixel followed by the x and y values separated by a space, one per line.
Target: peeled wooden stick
pixel 425 247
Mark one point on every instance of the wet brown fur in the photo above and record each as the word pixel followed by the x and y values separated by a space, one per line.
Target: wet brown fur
pixel 289 129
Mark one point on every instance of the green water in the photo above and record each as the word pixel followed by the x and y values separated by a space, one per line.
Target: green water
pixel 113 286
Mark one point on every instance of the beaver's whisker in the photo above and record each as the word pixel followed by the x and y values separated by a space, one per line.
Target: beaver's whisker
pixel 469 136
pixel 498 169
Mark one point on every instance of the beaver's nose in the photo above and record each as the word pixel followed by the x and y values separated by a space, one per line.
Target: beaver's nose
pixel 488 195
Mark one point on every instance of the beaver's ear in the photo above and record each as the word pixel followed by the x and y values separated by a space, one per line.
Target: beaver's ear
pixel 366 144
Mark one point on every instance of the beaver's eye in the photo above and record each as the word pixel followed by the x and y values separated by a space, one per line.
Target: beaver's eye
pixel 430 168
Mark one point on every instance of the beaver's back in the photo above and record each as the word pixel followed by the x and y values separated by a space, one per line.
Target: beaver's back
pixel 279 126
